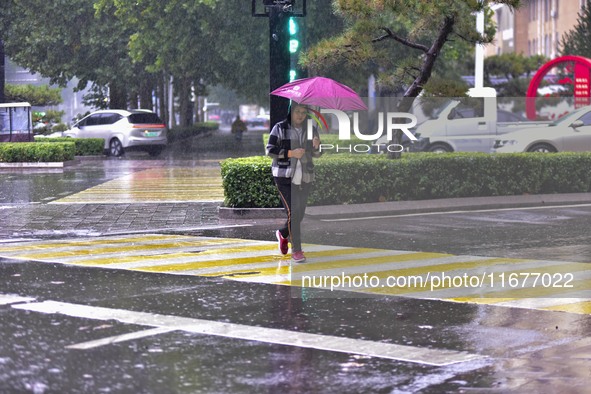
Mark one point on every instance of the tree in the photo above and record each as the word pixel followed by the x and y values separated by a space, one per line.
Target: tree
pixel 72 42
pixel 403 39
pixel 578 40
pixel 209 42
pixel 515 68
pixel 37 96
pixel 127 50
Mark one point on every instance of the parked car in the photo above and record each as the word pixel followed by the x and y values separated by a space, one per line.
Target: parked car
pixel 471 124
pixel 569 133
pixel 258 122
pixel 424 144
pixel 123 130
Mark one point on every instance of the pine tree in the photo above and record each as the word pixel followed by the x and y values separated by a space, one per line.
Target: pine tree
pixel 578 41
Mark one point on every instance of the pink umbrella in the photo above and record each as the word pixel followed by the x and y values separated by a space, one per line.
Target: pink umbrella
pixel 322 92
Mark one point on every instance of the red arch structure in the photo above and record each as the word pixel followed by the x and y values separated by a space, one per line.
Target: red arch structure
pixel 582 71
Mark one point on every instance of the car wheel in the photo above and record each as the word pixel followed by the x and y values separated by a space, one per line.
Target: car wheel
pixel 543 148
pixel 155 151
pixel 440 148
pixel 115 148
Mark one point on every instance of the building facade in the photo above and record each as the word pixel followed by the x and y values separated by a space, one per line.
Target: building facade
pixel 535 28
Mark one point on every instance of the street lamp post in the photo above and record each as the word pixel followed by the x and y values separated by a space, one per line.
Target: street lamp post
pixel 279 13
pixel 479 51
pixel 2 71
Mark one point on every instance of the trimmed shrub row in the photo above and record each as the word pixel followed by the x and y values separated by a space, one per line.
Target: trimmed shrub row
pixel 248 183
pixel 349 179
pixel 84 146
pixel 16 152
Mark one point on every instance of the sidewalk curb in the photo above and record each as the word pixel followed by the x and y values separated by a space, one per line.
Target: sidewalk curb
pixel 251 213
pixel 446 205
pixel 42 164
pixel 412 207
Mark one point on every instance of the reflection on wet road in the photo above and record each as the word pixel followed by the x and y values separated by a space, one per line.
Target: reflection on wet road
pixel 155 185
pixel 111 181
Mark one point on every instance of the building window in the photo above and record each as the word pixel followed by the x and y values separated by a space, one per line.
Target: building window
pixel 529 48
pixel 546 10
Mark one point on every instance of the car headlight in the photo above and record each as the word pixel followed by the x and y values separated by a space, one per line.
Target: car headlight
pixel 502 143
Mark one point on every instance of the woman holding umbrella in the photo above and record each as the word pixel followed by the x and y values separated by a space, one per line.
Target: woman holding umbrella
pixel 293 173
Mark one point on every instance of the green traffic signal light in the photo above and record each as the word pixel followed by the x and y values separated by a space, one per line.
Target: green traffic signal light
pixel 293 46
pixel 293 27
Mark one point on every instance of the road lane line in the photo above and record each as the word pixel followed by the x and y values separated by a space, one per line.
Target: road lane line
pixel 404 353
pixel 7 299
pixel 402 215
pixel 120 338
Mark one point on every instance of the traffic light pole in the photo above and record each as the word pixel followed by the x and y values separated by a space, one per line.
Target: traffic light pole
pixel 278 12
pixel 279 61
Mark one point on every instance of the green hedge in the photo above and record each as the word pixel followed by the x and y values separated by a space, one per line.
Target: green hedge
pixel 349 179
pixel 17 152
pixel 248 183
pixel 181 133
pixel 84 146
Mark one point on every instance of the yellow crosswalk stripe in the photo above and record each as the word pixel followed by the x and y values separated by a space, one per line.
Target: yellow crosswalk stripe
pixel 153 258
pixel 259 261
pixel 109 249
pixel 236 262
pixel 85 242
pixel 579 307
pixel 507 292
pixel 176 184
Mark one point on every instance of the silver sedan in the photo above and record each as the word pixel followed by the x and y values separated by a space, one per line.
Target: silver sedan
pixel 569 133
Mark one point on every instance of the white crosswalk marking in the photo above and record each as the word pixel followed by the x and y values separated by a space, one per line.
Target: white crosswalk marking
pixel 474 279
pixel 167 323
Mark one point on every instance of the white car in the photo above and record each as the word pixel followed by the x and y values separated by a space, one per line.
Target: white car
pixel 123 130
pixel 569 133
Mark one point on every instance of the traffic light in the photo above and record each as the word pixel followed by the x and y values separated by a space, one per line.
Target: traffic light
pixel 293 47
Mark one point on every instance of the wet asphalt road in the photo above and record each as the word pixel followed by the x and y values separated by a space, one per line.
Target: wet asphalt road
pixel 523 350
pixel 35 358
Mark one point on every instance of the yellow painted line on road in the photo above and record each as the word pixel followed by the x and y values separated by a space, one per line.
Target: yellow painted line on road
pixel 27 246
pixel 237 262
pixel 515 289
pixel 414 256
pixel 177 184
pixel 578 307
pixel 259 261
pixel 111 249
pixel 166 256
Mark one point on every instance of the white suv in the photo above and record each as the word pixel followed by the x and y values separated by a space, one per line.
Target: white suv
pixel 123 130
